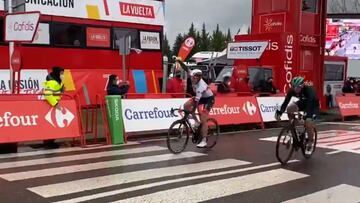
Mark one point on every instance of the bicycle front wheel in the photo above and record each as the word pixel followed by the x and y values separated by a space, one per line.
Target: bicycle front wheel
pixel 284 145
pixel 178 137
pixel 213 132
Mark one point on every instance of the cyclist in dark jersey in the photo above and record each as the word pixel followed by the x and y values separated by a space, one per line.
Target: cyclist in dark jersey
pixel 308 102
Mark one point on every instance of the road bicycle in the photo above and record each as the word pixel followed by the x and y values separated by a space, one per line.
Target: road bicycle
pixel 180 131
pixel 294 137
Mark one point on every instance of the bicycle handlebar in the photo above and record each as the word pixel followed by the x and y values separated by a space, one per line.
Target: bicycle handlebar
pixel 297 115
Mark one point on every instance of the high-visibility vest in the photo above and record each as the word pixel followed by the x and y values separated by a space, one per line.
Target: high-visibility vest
pixel 52 91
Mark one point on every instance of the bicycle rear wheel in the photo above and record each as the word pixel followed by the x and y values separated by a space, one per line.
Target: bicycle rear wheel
pixel 213 132
pixel 284 145
pixel 304 145
pixel 178 137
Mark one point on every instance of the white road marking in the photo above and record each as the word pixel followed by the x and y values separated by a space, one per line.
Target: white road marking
pixel 117 179
pixel 13 164
pixel 341 193
pixel 219 188
pixel 150 185
pixel 94 166
pixel 61 150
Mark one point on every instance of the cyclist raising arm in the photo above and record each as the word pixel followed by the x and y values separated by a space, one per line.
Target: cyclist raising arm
pixel 204 96
pixel 307 102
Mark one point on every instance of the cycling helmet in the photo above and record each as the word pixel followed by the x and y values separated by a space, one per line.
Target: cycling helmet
pixel 196 72
pixel 297 81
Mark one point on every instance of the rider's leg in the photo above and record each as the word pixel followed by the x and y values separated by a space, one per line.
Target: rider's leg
pixel 205 115
pixel 310 126
pixel 291 109
pixel 204 127
pixel 189 106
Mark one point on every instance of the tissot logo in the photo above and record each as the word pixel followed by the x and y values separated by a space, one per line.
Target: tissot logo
pixel 59 118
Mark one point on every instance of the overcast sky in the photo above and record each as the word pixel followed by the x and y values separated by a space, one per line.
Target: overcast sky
pixel 227 13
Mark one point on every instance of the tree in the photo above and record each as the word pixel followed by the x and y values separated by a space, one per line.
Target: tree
pixel 166 50
pixel 177 44
pixel 217 40
pixel 192 31
pixel 194 34
pixel 204 42
pixel 228 37
pixel 197 42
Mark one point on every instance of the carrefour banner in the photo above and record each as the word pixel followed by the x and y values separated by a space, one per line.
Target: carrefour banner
pixel 36 120
pixel 149 114
pixel 155 114
pixel 269 105
pixel 236 110
pixel 131 11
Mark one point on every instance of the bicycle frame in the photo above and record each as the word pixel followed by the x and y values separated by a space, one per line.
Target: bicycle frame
pixel 186 119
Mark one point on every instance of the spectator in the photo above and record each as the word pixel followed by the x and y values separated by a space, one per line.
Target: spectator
pixel 54 87
pixel 243 85
pixel 357 86
pixel 224 86
pixel 349 86
pixel 116 87
pixel 268 86
pixel 329 97
pixel 175 84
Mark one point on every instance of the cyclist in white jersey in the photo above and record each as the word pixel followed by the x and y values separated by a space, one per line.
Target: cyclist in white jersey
pixel 203 96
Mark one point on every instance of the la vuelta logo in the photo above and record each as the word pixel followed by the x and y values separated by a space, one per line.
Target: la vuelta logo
pixel 270 24
pixel 137 10
pixel 59 118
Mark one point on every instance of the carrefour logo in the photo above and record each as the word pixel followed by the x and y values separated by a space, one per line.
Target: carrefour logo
pixel 154 113
pixel 60 118
pixel 269 108
pixel 249 108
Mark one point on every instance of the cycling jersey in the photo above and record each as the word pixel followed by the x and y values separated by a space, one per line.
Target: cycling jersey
pixel 202 90
pixel 308 100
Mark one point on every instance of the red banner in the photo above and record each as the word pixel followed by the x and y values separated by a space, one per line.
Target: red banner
pixel 236 110
pixel 36 120
pixel 186 48
pixel 98 37
pixel 349 105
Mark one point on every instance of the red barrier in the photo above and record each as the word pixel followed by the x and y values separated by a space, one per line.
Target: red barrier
pixel 156 96
pixel 30 120
pixel 349 105
pixel 236 110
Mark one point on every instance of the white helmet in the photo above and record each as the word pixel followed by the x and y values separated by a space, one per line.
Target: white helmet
pixel 196 72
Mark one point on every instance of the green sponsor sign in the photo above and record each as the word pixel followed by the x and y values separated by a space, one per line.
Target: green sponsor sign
pixel 113 105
